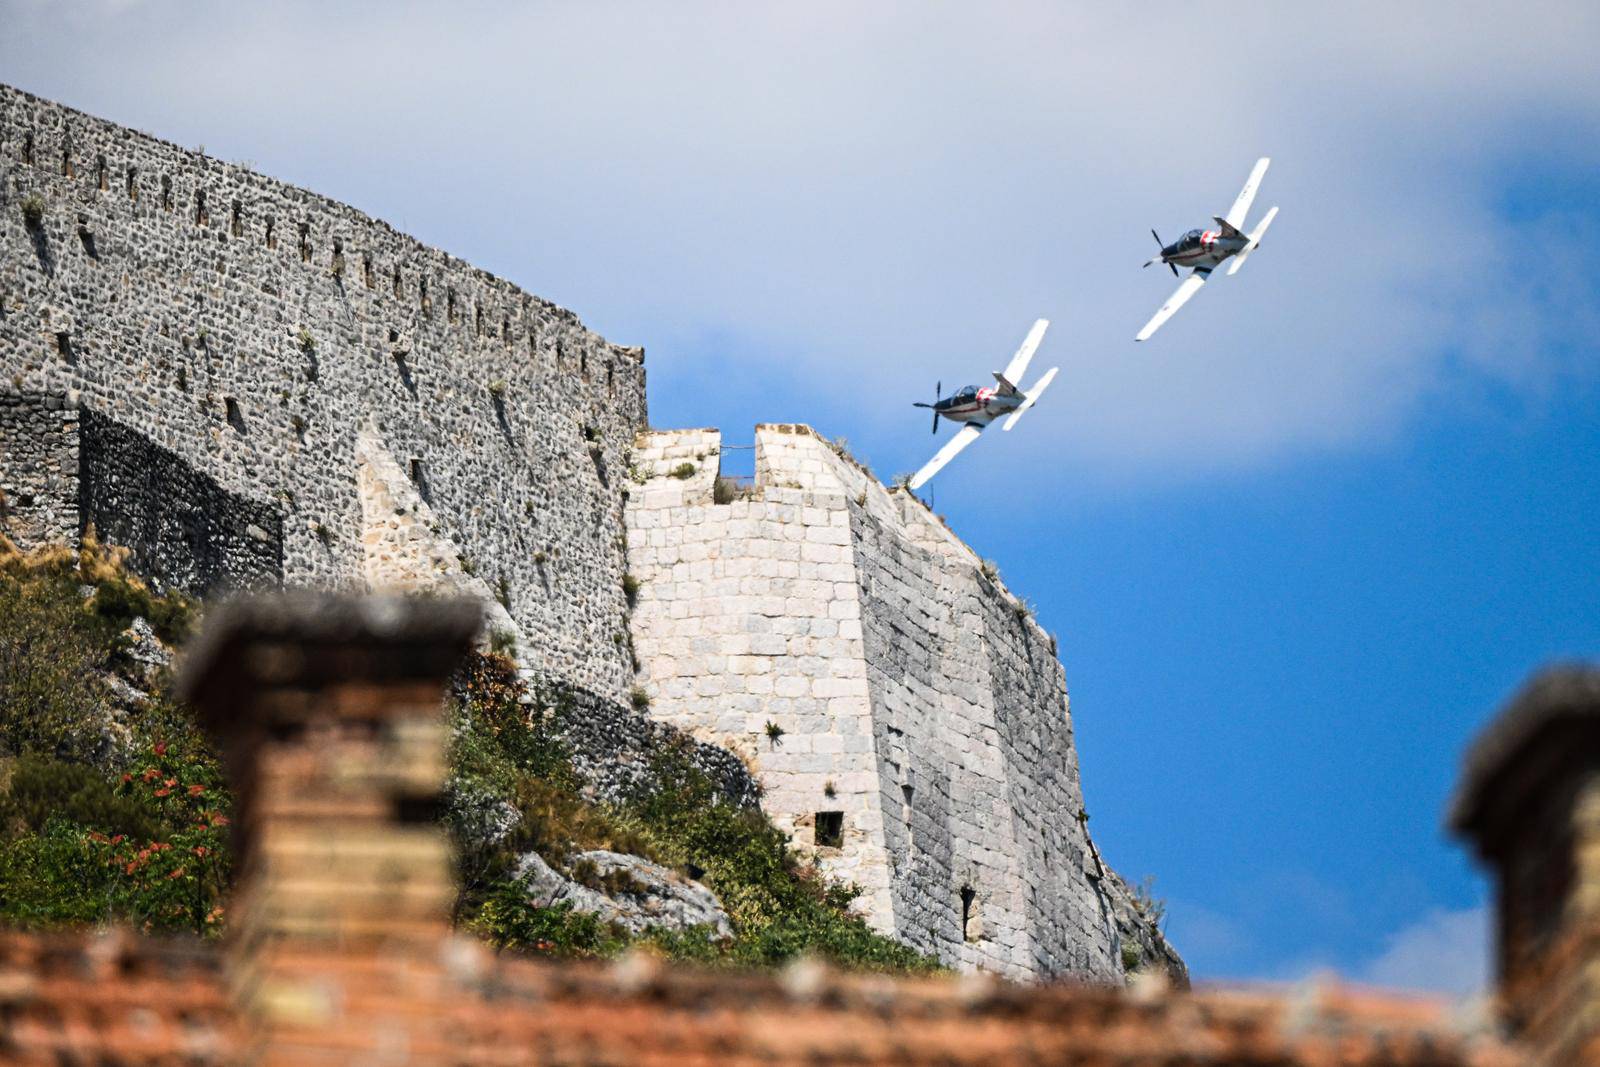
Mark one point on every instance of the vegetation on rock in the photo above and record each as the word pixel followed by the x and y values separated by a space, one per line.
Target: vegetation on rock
pixel 113 806
pixel 507 758
pixel 111 801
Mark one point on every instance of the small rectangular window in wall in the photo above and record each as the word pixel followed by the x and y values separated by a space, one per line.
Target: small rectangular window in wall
pixel 907 812
pixel 830 829
pixel 971 926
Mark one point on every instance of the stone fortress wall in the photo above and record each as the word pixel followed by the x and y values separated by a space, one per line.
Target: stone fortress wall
pixel 919 702
pixel 248 384
pixel 275 343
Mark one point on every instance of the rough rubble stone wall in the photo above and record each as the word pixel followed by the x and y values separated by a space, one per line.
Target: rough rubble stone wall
pixel 185 531
pixel 905 680
pixel 614 749
pixel 253 330
pixel 38 468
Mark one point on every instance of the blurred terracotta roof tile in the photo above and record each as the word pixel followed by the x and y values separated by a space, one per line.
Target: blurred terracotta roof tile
pixel 115 999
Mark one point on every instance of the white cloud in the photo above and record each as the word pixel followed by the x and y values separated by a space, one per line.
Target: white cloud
pixel 870 199
pixel 1444 951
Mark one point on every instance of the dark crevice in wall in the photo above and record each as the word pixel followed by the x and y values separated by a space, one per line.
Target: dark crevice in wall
pixel 405 374
pixel 41 249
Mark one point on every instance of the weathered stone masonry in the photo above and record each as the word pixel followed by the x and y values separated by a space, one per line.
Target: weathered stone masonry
pixel 256 332
pixel 919 704
pixel 248 383
pixel 39 467
pixel 185 530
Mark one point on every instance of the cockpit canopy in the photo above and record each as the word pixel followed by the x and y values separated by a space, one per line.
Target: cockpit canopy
pixel 969 392
pixel 1189 240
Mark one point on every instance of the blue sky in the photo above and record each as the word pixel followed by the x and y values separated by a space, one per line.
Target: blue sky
pixel 1297 548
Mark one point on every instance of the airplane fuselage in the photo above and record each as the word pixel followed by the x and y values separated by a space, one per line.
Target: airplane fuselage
pixel 975 404
pixel 1202 249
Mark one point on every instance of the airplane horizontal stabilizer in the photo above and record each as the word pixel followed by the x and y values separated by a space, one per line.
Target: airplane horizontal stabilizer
pixel 1033 397
pixel 1255 240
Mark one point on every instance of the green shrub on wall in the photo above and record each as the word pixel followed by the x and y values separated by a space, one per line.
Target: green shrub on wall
pixel 507 748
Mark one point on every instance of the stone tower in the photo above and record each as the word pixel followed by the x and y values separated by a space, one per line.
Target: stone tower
pixel 906 715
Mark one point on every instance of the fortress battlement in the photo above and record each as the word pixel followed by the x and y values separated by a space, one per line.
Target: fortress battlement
pixel 251 385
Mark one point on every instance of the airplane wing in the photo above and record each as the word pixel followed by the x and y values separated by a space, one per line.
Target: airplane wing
pixel 1187 288
pixel 1241 206
pixel 1019 362
pixel 964 437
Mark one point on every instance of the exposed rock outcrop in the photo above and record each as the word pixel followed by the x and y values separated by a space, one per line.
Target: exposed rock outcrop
pixel 627 890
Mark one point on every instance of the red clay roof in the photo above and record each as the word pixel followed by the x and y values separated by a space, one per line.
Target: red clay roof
pixel 114 998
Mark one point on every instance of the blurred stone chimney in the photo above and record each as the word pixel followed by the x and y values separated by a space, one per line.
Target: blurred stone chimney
pixel 328 714
pixel 1529 801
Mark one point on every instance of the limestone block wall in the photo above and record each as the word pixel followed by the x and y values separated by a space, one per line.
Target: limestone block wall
pixel 254 330
pixel 993 864
pixel 917 698
pixel 747 623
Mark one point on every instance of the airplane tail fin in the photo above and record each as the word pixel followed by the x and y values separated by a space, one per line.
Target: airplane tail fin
pixel 1255 241
pixel 1228 229
pixel 1006 386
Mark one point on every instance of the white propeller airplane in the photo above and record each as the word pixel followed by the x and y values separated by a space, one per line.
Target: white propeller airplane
pixel 977 408
pixel 1205 250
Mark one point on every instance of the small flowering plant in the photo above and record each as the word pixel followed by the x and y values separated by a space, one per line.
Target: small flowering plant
pixel 178 881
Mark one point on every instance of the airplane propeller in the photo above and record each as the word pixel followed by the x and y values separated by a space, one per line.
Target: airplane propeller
pixel 938 391
pixel 1147 262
